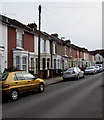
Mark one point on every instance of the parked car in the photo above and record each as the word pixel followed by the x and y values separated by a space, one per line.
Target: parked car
pixel 100 66
pixel 97 69
pixel 14 83
pixel 73 72
pixel 90 70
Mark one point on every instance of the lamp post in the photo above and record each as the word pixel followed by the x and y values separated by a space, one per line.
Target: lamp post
pixel 39 41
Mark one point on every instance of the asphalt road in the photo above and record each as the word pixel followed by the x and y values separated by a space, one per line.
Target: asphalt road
pixel 67 99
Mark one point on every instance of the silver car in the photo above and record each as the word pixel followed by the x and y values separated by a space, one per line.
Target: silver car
pixel 73 72
pixel 90 70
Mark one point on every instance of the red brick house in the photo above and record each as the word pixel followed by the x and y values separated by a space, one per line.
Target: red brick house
pixel 20 45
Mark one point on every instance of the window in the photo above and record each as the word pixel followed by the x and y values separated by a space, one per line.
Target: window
pixel 19 39
pixel 24 66
pixel 58 63
pixel 48 62
pixel 32 63
pixel 28 76
pixel 36 65
pixel 0 62
pixel 3 77
pixel 18 76
pixel 44 63
pixel 55 48
pixel 99 59
pixel 44 45
pixel 65 50
pixel 18 62
pixel 54 63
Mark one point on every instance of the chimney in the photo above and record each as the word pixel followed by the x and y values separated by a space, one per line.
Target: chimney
pixel 68 41
pixel 55 35
pixel 32 25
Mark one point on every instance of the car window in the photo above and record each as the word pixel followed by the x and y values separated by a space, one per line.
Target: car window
pixel 18 76
pixel 28 76
pixel 3 77
pixel 70 69
pixel 90 68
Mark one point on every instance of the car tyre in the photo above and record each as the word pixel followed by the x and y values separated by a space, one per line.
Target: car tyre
pixel 14 95
pixel 41 87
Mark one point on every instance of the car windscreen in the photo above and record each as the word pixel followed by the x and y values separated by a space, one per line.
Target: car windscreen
pixel 3 77
pixel 89 68
pixel 70 69
pixel 99 65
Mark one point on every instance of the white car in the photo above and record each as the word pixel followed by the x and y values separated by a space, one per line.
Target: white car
pixel 100 66
pixel 73 72
pixel 90 70
pixel 97 69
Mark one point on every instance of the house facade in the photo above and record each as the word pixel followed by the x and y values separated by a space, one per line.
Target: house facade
pixel 19 49
pixel 45 56
pixel 20 46
pixel 3 43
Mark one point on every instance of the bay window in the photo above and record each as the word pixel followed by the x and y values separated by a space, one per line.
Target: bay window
pixel 24 66
pixel 18 62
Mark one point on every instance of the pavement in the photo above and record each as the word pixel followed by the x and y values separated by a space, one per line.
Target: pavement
pixel 53 80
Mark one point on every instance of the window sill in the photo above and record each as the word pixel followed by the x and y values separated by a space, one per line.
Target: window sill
pixel 19 48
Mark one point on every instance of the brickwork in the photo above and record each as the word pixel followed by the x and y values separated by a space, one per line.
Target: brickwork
pixel 11 45
pixel 28 42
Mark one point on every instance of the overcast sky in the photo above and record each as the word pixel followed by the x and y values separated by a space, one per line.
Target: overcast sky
pixel 81 22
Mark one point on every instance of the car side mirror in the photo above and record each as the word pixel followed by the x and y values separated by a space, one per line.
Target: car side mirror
pixel 35 78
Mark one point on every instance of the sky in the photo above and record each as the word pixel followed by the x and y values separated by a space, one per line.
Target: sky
pixel 79 21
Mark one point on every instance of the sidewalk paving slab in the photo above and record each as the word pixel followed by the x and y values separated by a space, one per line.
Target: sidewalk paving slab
pixel 53 80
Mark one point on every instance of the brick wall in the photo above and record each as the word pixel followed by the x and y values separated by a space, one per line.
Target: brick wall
pixel 60 49
pixel 74 53
pixel 28 42
pixel 11 45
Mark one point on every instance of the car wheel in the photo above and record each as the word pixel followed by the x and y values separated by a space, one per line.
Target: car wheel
pixel 41 87
pixel 14 95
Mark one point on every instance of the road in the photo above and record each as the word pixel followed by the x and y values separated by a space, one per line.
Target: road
pixel 66 99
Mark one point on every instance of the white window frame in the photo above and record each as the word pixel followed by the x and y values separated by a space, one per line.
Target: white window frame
pixel 18 64
pixel 19 39
pixel 65 50
pixel 44 45
pixel 24 64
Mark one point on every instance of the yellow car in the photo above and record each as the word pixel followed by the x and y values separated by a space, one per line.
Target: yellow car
pixel 14 83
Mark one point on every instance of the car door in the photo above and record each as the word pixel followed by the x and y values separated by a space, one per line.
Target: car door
pixel 31 81
pixel 20 82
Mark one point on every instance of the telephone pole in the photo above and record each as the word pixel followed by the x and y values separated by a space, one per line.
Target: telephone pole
pixel 39 41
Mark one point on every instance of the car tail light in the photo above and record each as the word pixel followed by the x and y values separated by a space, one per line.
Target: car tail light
pixel 5 86
pixel 73 72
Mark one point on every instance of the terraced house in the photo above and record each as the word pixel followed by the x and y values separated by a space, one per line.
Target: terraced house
pixel 3 43
pixel 19 49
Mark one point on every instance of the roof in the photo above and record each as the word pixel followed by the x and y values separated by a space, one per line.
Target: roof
pixel 100 51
